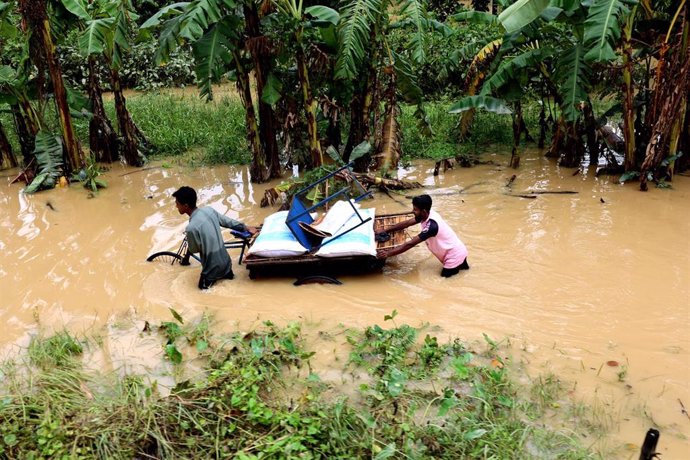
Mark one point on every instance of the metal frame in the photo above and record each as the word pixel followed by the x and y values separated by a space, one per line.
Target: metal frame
pixel 298 212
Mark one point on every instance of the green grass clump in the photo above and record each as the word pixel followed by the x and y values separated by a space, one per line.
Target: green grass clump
pixel 58 350
pixel 417 399
pixel 176 124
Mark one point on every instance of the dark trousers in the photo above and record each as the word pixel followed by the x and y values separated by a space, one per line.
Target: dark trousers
pixel 205 283
pixel 448 272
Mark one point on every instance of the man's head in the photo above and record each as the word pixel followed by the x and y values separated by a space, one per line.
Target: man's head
pixel 185 200
pixel 421 205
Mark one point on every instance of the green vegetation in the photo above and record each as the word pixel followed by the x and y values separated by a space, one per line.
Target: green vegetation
pixel 257 396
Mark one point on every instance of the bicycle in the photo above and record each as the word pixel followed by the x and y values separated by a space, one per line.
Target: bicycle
pixel 242 241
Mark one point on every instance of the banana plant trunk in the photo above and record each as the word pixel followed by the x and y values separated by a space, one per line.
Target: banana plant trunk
pixel 630 162
pixel 34 11
pixel 27 126
pixel 103 139
pixel 673 105
pixel 517 125
pixel 268 123
pixel 7 158
pixel 677 129
pixel 128 131
pixel 309 108
pixel 362 103
pixel 258 167
pixel 566 144
pixel 591 132
pixel 388 151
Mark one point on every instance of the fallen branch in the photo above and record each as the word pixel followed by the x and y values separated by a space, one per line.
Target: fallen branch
pixel 551 192
pixel 520 195
pixel 140 170
pixel 682 409
pixel 391 184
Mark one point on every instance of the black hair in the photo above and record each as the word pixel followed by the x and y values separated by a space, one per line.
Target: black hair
pixel 422 202
pixel 186 195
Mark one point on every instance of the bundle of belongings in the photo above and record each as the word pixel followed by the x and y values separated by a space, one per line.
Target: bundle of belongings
pixel 345 230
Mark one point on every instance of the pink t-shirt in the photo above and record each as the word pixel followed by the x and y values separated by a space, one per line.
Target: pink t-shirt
pixel 442 241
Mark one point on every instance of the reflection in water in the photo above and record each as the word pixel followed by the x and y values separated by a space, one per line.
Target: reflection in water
pixel 574 280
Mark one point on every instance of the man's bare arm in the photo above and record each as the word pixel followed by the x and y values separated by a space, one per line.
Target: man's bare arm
pixel 401 225
pixel 407 245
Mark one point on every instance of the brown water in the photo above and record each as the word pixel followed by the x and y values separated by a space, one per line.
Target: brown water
pixel 573 281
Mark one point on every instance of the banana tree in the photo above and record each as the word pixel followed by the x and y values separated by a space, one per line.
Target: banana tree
pixel 35 15
pixel 7 158
pixel 15 90
pixel 214 27
pixel 367 63
pixel 294 13
pixel 105 34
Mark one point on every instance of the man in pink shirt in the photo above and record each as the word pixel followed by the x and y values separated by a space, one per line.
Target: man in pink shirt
pixel 436 233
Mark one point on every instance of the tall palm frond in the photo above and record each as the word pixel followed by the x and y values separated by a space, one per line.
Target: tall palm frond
pixel 573 72
pixel 94 39
pixel 415 12
pixel 212 55
pixel 602 29
pixel 521 13
pixel 511 68
pixel 357 17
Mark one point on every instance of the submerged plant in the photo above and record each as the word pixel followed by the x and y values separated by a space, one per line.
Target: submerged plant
pixel 89 176
pixel 251 401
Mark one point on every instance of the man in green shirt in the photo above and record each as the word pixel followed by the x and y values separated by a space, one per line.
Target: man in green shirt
pixel 204 237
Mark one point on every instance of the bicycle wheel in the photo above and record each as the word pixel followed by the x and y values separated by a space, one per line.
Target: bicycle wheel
pixel 165 257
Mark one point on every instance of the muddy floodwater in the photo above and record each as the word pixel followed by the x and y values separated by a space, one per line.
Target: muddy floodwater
pixel 573 281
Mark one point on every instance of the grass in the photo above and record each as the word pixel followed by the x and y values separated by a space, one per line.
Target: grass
pixel 487 129
pixel 181 124
pixel 258 397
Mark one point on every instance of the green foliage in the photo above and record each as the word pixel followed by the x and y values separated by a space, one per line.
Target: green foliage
pixel 357 17
pixel 48 152
pixel 89 176
pixel 602 29
pixel 137 70
pixel 212 55
pixel 59 350
pixel 248 403
pixel 573 74
pixel 216 133
pixel 521 13
pixel 490 104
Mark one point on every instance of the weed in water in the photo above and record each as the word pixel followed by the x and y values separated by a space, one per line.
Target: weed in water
pixel 239 407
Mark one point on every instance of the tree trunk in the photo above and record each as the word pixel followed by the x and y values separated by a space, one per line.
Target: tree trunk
pixel 103 139
pixel 677 92
pixel 268 124
pixel 566 145
pixel 129 133
pixel 517 125
pixel 676 129
pixel 474 80
pixel 591 132
pixel 309 107
pixel 7 158
pixel 356 135
pixel 542 126
pixel 258 167
pixel 27 126
pixel 388 148
pixel 34 12
pixel 630 162
pixel 363 101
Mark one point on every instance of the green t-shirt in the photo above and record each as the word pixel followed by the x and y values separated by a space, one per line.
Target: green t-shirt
pixel 204 237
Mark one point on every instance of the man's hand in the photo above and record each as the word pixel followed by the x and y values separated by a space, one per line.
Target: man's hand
pixel 252 230
pixel 382 253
